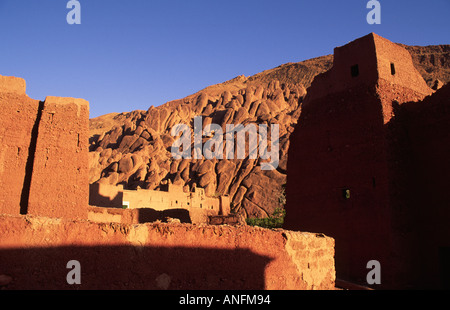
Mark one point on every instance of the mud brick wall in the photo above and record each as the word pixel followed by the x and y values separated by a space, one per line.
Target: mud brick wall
pixel 428 129
pixel 34 252
pixel 367 165
pixel 330 153
pixel 12 84
pixel 373 55
pixel 60 183
pixel 17 125
pixel 43 154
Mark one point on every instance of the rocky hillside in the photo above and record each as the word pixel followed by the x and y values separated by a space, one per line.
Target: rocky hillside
pixel 432 62
pixel 134 148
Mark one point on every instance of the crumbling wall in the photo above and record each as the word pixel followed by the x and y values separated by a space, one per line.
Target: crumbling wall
pixel 34 251
pixel 44 154
pixel 60 182
pixel 17 126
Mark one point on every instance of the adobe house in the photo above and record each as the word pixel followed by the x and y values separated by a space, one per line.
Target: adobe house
pixel 354 163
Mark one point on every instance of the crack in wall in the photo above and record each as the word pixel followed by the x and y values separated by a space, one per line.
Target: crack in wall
pixel 25 195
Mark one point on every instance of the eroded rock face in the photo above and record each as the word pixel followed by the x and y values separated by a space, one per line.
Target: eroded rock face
pixel 271 97
pixel 145 144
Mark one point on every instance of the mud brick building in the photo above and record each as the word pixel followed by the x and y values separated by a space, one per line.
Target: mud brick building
pixel 144 205
pixel 46 220
pixel 368 165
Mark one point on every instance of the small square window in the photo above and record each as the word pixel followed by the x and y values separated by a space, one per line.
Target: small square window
pixel 354 70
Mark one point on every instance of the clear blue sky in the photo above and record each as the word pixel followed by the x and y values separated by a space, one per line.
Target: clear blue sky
pixel 129 55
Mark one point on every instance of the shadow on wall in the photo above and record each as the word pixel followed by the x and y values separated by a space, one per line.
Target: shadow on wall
pixel 25 196
pixel 423 142
pixel 381 190
pixel 130 267
pixel 337 179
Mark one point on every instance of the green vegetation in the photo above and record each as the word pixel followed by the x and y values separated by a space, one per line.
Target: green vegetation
pixel 276 220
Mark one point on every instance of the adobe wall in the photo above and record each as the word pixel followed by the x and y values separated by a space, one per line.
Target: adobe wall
pixel 18 124
pixel 12 84
pixel 44 164
pixel 34 251
pixel 196 204
pixel 158 200
pixel 361 53
pixel 373 55
pixel 60 182
pixel 405 74
pixel 340 145
pixel 428 126
pixel 148 215
pixel 345 141
pixel 107 215
pixel 225 205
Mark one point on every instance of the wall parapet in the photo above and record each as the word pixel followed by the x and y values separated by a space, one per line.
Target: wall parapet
pixel 12 84
pixel 119 256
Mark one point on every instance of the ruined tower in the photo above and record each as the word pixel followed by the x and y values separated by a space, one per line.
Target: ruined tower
pixel 18 124
pixel 347 169
pixel 43 154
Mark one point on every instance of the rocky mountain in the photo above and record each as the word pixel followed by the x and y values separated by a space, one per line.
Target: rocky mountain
pixel 133 148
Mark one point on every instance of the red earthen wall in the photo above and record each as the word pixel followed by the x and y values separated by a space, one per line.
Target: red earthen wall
pixel 428 127
pixel 34 252
pixel 43 154
pixel 337 146
pixel 358 138
pixel 60 182
pixel 12 84
pixel 17 125
pixel 405 74
pixel 373 55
